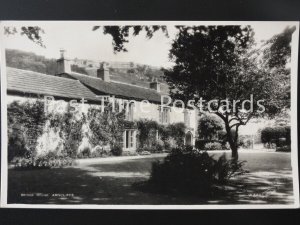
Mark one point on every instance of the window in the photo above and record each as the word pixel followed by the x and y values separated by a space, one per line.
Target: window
pixel 187 118
pixel 129 110
pixel 129 139
pixel 164 115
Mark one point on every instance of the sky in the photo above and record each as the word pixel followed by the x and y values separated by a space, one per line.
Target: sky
pixel 81 42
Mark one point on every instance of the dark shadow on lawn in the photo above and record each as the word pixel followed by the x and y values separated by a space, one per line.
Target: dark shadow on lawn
pixel 96 184
pixel 261 188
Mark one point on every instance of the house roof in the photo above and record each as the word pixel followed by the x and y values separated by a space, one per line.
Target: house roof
pixel 24 81
pixel 117 89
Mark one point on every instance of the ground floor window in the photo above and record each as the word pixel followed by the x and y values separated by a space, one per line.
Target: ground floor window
pixel 189 139
pixel 129 139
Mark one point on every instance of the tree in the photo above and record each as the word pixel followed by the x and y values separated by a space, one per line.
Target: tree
pixel 32 33
pixel 217 63
pixel 120 34
pixel 209 125
pixel 277 54
pixel 220 63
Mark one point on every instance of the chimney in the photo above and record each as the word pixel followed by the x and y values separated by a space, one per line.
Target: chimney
pixel 103 72
pixel 63 64
pixel 155 85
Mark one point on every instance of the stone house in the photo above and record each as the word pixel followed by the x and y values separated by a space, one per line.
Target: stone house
pixel 67 85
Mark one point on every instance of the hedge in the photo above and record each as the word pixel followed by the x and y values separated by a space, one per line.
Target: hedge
pixel 276 135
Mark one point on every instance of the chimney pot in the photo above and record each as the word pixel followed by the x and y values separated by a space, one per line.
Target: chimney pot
pixel 103 72
pixel 63 64
pixel 155 85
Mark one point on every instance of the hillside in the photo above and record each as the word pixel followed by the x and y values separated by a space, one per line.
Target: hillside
pixel 131 73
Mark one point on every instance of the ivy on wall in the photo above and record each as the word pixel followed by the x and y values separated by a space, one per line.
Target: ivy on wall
pixel 148 130
pixel 107 127
pixel 25 124
pixel 69 125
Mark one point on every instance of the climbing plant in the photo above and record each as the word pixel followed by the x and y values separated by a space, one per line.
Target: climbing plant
pixel 25 121
pixel 106 126
pixel 69 126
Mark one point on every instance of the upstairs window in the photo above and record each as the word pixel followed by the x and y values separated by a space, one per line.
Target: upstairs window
pixel 129 111
pixel 164 115
pixel 187 118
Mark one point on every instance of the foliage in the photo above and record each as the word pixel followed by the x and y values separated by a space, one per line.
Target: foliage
pixel 147 132
pixel 286 148
pixel 156 147
pixel 144 153
pixel 85 153
pixel 200 144
pixel 129 153
pixel 271 135
pixel 278 49
pixel 226 169
pixel 30 61
pixel 16 143
pixel 276 56
pixel 190 171
pixel 120 34
pixel 147 135
pixel 99 151
pixel 226 69
pixel 25 124
pixel 32 33
pixel 116 150
pixel 209 126
pixel 176 131
pixel 245 142
pixel 69 127
pixel 50 160
pixel 106 127
pixel 213 146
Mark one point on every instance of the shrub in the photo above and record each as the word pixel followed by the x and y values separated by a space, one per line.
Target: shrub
pixel 147 132
pixel 286 148
pixel 226 146
pixel 50 160
pixel 16 145
pixel 158 146
pixel 186 170
pixel 144 153
pixel 85 153
pixel 245 142
pixel 167 145
pixel 212 146
pixel 271 135
pixel 200 144
pixel 116 150
pixel 145 149
pixel 176 131
pixel 99 151
pixel 226 169
pixel 209 126
pixel 129 153
pixel 147 135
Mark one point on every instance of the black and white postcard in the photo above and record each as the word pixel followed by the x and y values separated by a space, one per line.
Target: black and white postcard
pixel 149 115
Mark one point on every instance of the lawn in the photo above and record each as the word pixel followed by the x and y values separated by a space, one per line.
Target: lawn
pixel 269 182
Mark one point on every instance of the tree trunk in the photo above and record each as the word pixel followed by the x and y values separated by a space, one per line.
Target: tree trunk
pixel 232 141
pixel 234 152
